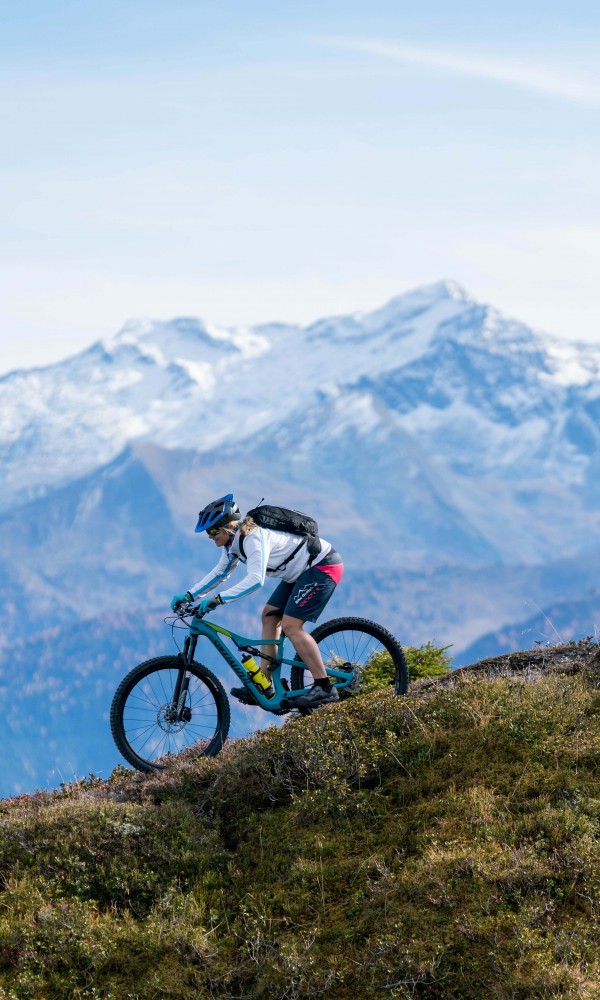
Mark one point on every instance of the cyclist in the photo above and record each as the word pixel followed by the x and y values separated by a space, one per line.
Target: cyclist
pixel 305 588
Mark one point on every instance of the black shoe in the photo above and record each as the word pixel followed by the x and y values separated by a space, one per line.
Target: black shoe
pixel 244 695
pixel 316 696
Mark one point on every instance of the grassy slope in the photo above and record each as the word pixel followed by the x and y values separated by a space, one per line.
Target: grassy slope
pixel 444 845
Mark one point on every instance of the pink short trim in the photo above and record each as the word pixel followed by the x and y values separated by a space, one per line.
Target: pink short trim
pixel 335 572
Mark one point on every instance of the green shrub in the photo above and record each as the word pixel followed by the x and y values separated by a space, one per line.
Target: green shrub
pixel 423 661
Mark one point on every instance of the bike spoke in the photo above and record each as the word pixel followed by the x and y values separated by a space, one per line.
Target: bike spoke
pixel 147 721
pixel 355 642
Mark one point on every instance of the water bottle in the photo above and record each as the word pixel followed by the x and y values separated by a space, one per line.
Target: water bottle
pixel 256 675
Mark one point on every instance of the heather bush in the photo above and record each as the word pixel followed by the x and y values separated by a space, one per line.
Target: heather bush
pixel 423 661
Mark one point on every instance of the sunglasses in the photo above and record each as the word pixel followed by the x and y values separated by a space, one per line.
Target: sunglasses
pixel 213 532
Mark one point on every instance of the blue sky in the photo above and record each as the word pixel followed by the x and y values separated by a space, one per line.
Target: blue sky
pixel 255 161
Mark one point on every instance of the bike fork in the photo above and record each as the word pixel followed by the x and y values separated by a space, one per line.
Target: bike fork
pixel 178 705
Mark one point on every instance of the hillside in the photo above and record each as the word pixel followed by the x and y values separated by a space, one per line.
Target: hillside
pixel 443 845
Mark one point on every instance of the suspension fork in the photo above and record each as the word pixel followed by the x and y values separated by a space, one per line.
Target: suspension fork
pixel 183 677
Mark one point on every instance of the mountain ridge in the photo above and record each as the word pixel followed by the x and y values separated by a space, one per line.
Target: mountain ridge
pixel 153 380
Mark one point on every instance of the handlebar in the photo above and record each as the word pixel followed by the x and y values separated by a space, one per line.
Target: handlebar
pixel 184 610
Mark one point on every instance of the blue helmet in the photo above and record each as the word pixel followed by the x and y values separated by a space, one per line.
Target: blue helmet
pixel 218 513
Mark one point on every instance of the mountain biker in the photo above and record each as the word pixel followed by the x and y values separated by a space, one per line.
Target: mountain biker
pixel 305 588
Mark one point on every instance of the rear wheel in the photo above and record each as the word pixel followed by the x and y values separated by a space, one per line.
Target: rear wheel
pixel 148 731
pixel 355 643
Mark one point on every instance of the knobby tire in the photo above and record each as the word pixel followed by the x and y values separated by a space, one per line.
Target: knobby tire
pixel 137 716
pixel 349 639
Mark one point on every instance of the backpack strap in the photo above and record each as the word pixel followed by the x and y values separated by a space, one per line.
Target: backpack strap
pixel 312 543
pixel 313 546
pixel 290 557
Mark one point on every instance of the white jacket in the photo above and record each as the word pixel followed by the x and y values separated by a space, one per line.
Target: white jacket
pixel 264 552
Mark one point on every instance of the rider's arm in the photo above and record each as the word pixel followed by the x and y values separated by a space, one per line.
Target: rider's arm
pixel 211 581
pixel 256 551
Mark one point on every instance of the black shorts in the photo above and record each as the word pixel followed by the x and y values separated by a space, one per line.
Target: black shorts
pixel 308 595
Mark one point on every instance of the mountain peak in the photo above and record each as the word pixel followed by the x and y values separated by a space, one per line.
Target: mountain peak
pixel 183 336
pixel 444 295
pixel 428 295
pixel 186 338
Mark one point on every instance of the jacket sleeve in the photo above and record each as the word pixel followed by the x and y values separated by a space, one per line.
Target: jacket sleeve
pixel 221 571
pixel 257 555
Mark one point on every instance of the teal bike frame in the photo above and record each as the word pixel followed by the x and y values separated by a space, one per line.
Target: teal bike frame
pixel 283 698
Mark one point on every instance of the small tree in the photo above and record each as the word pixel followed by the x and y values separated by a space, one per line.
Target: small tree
pixel 423 661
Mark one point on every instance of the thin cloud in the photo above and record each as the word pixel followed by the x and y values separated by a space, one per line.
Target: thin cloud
pixel 544 81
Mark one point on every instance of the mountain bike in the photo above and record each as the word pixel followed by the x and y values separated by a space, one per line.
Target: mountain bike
pixel 173 703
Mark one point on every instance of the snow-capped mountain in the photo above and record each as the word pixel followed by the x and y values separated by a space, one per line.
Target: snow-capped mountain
pixel 450 453
pixel 479 393
pixel 474 438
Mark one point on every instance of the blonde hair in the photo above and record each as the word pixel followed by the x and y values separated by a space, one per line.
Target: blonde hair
pixel 247 525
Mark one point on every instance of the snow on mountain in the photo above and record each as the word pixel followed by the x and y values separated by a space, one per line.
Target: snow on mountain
pixel 189 384
pixel 476 422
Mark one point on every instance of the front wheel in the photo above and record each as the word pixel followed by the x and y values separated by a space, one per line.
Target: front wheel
pixel 356 643
pixel 148 728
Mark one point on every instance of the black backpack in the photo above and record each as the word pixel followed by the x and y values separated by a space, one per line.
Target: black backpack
pixel 291 521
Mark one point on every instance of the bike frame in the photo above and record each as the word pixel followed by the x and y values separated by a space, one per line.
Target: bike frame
pixel 213 633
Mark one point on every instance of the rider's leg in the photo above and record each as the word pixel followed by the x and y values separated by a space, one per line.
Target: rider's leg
pixel 271 629
pixel 309 596
pixel 305 646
